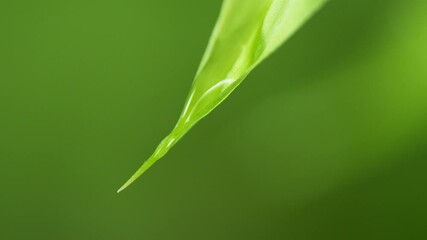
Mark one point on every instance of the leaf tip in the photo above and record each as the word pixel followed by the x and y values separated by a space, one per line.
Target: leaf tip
pixel 124 186
pixel 121 188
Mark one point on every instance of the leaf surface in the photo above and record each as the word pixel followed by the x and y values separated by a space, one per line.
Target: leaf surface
pixel 246 32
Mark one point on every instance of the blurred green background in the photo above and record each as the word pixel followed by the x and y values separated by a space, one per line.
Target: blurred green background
pixel 327 139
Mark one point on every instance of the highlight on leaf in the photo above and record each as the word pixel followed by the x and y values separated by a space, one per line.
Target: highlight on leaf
pixel 246 33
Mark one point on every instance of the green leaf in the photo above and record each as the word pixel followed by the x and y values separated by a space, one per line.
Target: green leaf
pixel 246 33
